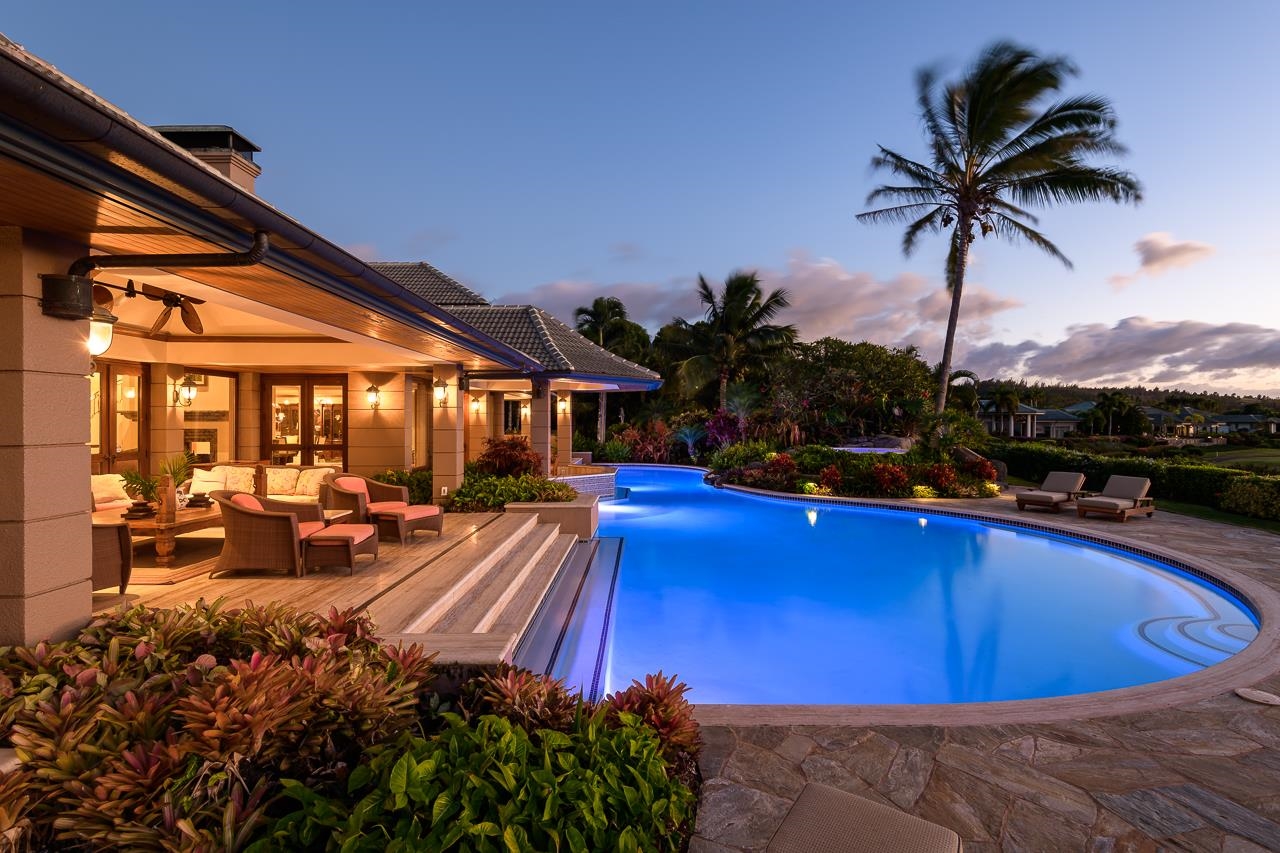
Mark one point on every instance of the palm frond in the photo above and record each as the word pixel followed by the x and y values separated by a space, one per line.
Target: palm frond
pixel 910 169
pixel 1081 183
pixel 900 213
pixel 931 221
pixel 1016 231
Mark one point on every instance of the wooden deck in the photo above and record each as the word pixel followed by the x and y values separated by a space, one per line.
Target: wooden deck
pixel 377 586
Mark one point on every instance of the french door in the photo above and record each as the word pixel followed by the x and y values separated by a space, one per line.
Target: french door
pixel 304 420
pixel 118 417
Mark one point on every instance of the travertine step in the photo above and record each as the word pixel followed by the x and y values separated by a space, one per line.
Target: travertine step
pixel 424 597
pixel 499 582
pixel 511 611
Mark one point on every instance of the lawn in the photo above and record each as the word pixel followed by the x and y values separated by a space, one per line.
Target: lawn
pixel 1250 457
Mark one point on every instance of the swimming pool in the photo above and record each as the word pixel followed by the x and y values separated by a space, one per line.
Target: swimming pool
pixel 761 601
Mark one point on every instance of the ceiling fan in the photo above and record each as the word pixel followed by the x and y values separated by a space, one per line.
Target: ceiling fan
pixel 186 306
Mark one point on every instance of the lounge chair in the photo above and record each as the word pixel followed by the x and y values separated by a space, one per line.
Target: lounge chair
pixel 1121 497
pixel 1060 487
pixel 828 820
pixel 381 504
pixel 278 535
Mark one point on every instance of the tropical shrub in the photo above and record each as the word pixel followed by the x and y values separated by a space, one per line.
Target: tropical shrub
pixel 417 481
pixel 890 481
pixel 486 493
pixel 660 703
pixel 650 443
pixel 614 450
pixel 491 785
pixel 1258 497
pixel 508 457
pixel 941 476
pixel 738 455
pixel 812 458
pixel 923 492
pixel 169 729
pixel 831 478
pixel 723 429
pixel 777 473
pixel 530 701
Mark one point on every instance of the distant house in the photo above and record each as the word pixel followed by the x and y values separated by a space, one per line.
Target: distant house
pixel 1019 424
pixel 1056 423
pixel 1257 424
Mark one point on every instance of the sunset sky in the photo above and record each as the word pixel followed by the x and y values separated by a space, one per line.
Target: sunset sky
pixel 555 152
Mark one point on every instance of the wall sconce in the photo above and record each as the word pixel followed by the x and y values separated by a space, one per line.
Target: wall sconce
pixel 101 330
pixel 441 389
pixel 524 410
pixel 475 405
pixel 185 393
pixel 562 405
pixel 67 296
pixel 372 394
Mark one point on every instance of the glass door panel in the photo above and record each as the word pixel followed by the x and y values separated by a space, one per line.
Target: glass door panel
pixel 305 420
pixel 328 424
pixel 117 417
pixel 286 424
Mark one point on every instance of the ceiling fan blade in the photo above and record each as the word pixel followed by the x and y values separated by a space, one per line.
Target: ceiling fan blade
pixel 193 300
pixel 161 320
pixel 102 296
pixel 152 292
pixel 190 317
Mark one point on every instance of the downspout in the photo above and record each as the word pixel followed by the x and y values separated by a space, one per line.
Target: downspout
pixel 258 251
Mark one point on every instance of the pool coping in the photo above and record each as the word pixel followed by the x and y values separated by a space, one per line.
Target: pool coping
pixel 1247 667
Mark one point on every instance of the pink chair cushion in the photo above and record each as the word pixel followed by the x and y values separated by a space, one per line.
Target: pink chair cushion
pixel 306 528
pixel 354 532
pixel 247 501
pixel 386 506
pixel 414 512
pixel 352 484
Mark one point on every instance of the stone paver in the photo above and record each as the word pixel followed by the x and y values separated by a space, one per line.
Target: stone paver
pixel 1204 776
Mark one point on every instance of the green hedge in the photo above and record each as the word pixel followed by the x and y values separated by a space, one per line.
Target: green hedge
pixel 1222 488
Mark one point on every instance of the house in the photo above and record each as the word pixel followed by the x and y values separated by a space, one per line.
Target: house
pixel 1251 424
pixel 1021 423
pixel 154 304
pixel 1055 423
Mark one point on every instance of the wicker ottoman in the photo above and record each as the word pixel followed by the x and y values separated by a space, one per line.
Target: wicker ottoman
pixel 828 820
pixel 401 522
pixel 339 545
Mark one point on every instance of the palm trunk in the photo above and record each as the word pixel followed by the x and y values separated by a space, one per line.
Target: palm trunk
pixel 953 319
pixel 600 417
pixel 724 388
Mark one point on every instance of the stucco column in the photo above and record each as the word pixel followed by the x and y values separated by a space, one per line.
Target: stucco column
pixel 45 547
pixel 168 419
pixel 448 452
pixel 540 423
pixel 479 413
pixel 564 429
pixel 249 417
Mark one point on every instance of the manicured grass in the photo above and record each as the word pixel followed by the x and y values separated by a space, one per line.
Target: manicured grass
pixel 1259 456
pixel 1210 514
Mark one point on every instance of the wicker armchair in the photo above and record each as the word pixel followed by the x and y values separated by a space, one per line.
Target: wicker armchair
pixel 112 555
pixel 381 504
pixel 269 538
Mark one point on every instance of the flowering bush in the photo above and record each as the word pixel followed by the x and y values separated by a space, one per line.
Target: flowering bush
pixel 831 478
pixel 652 443
pixel 815 489
pixel 778 474
pixel 989 490
pixel 890 480
pixel 923 492
pixel 723 429
pixel 941 476
pixel 981 469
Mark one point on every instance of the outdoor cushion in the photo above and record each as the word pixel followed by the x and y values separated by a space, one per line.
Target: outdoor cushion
pixel 1120 486
pixel 354 532
pixel 247 501
pixel 309 481
pixel 1035 496
pixel 306 528
pixel 386 506
pixel 107 488
pixel 352 484
pixel 411 513
pixel 237 478
pixel 203 481
pixel 1102 502
pixel 1062 481
pixel 282 481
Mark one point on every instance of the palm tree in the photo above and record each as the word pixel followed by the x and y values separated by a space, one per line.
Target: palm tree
pixel 1005 399
pixel 1112 403
pixel 992 152
pixel 736 334
pixel 605 317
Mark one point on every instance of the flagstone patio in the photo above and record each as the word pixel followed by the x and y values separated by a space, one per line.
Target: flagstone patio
pixel 1200 775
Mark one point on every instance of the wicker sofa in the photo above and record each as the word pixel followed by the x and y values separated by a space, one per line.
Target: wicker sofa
pixel 293 483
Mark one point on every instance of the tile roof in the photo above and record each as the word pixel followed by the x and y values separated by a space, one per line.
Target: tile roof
pixel 551 342
pixel 424 280
pixel 1057 415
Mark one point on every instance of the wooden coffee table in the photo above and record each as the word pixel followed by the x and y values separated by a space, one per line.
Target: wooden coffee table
pixel 185 520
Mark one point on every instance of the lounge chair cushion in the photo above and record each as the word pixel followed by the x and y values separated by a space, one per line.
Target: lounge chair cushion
pixel 386 506
pixel 306 528
pixel 828 820
pixel 1105 503
pixel 1062 481
pixel 352 484
pixel 1035 496
pixel 247 501
pixel 1132 488
pixel 409 513
pixel 355 532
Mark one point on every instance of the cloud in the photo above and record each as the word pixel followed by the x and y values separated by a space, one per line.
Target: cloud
pixel 363 251
pixel 625 252
pixel 1139 350
pixel 1159 253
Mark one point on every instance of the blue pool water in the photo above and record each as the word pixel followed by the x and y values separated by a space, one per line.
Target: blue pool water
pixel 757 600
